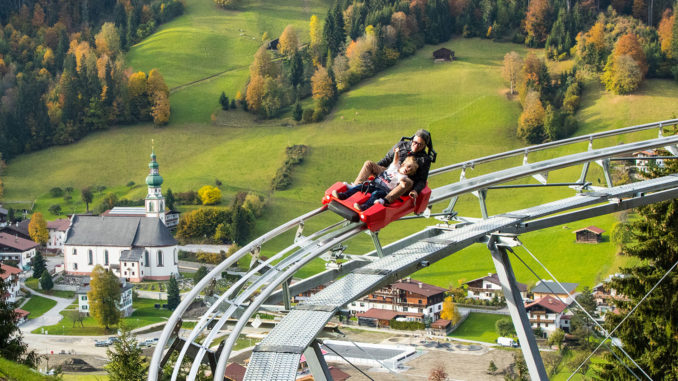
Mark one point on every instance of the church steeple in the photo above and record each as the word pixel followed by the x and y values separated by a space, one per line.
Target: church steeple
pixel 155 202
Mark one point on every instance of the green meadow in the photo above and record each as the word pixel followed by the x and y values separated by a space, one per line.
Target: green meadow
pixel 464 104
pixel 37 306
pixel 478 326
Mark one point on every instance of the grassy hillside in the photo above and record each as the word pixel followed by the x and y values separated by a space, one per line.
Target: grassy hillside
pixel 463 104
pixel 207 41
pixel 11 371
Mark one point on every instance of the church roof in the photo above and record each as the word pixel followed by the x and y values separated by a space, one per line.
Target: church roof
pixel 119 231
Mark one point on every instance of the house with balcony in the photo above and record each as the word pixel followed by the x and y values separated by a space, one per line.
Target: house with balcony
pixel 10 276
pixel 489 287
pixel 57 234
pixel 406 295
pixel 124 304
pixel 546 313
pixel 18 250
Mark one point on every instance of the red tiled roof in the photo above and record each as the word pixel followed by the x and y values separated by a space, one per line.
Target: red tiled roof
pixel 418 287
pixel 61 224
pixel 440 323
pixel 377 313
pixel 16 242
pixel 235 372
pixel 591 228
pixel 20 313
pixel 338 374
pixel 8 270
pixel 550 303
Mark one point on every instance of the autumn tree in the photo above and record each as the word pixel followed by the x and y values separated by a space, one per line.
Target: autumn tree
pixel 104 296
pixel 126 361
pixel 592 47
pixel 316 36
pixel 209 195
pixel 37 228
pixel 512 67
pixel 139 101
pixel 323 90
pixel 288 42
pixel 450 311
pixel 531 121
pixel 107 41
pixel 255 92
pixel 622 74
pixel 629 45
pixel 227 4
pixel 665 32
pixel 537 22
pixel 161 108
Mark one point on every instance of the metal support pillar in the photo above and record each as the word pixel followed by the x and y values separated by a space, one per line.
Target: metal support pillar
pixel 377 244
pixel 606 171
pixel 514 301
pixel 286 294
pixel 316 362
pixel 482 195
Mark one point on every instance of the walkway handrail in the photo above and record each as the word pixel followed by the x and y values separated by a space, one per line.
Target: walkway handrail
pixel 557 143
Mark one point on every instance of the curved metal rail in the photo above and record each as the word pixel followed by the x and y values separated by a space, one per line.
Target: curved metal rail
pixel 320 242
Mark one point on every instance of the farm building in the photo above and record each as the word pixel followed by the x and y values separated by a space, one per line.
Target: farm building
pixel 591 234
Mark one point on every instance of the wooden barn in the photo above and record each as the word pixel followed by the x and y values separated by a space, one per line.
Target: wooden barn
pixel 443 54
pixel 591 234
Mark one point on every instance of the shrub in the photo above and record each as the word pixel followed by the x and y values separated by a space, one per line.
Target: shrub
pixel 295 155
pixel 69 189
pixel 56 192
pixel 187 198
pixel 307 116
pixel 209 195
pixel 130 184
pixel 55 209
pixel 407 325
pixel 298 112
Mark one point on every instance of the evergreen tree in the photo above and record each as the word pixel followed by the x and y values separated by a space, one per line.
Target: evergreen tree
pixel 223 101
pixel 296 70
pixel 298 111
pixel 46 282
pixel 12 346
pixel 242 225
pixel 38 264
pixel 649 334
pixel 169 199
pixel 173 297
pixel 202 271
pixel 104 296
pixel 126 361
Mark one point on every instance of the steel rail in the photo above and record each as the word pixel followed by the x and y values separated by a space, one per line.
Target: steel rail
pixel 483 181
pixel 154 366
pixel 209 317
pixel 261 298
pixel 251 289
pixel 557 143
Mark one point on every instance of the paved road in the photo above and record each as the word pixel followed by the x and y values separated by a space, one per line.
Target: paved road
pixel 50 317
pixel 204 248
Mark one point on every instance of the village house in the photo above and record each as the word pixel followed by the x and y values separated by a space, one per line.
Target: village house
pixel 604 295
pixel 489 287
pixel 407 295
pixel 645 160
pixel 546 313
pixel 551 288
pixel 10 276
pixel 57 234
pixel 441 327
pixel 124 304
pixel 19 229
pixel 590 234
pixel 17 249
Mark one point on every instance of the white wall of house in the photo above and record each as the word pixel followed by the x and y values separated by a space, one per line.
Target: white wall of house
pixel 548 322
pixel 489 290
pixel 80 260
pixel 364 306
pixel 13 288
pixel 56 239
pixel 125 303
pixel 24 258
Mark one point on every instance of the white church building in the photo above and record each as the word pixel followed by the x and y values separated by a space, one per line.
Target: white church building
pixel 134 247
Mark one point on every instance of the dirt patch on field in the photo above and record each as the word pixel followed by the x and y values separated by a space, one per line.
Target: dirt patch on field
pixel 458 365
pixel 75 363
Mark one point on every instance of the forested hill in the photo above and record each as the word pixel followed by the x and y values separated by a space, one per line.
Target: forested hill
pixel 62 69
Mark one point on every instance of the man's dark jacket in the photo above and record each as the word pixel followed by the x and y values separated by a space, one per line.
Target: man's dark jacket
pixel 424 161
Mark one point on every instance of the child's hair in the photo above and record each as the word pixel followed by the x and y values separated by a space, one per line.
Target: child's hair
pixel 415 165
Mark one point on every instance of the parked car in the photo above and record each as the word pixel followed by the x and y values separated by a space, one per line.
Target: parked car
pixel 506 342
pixel 112 340
pixel 101 343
